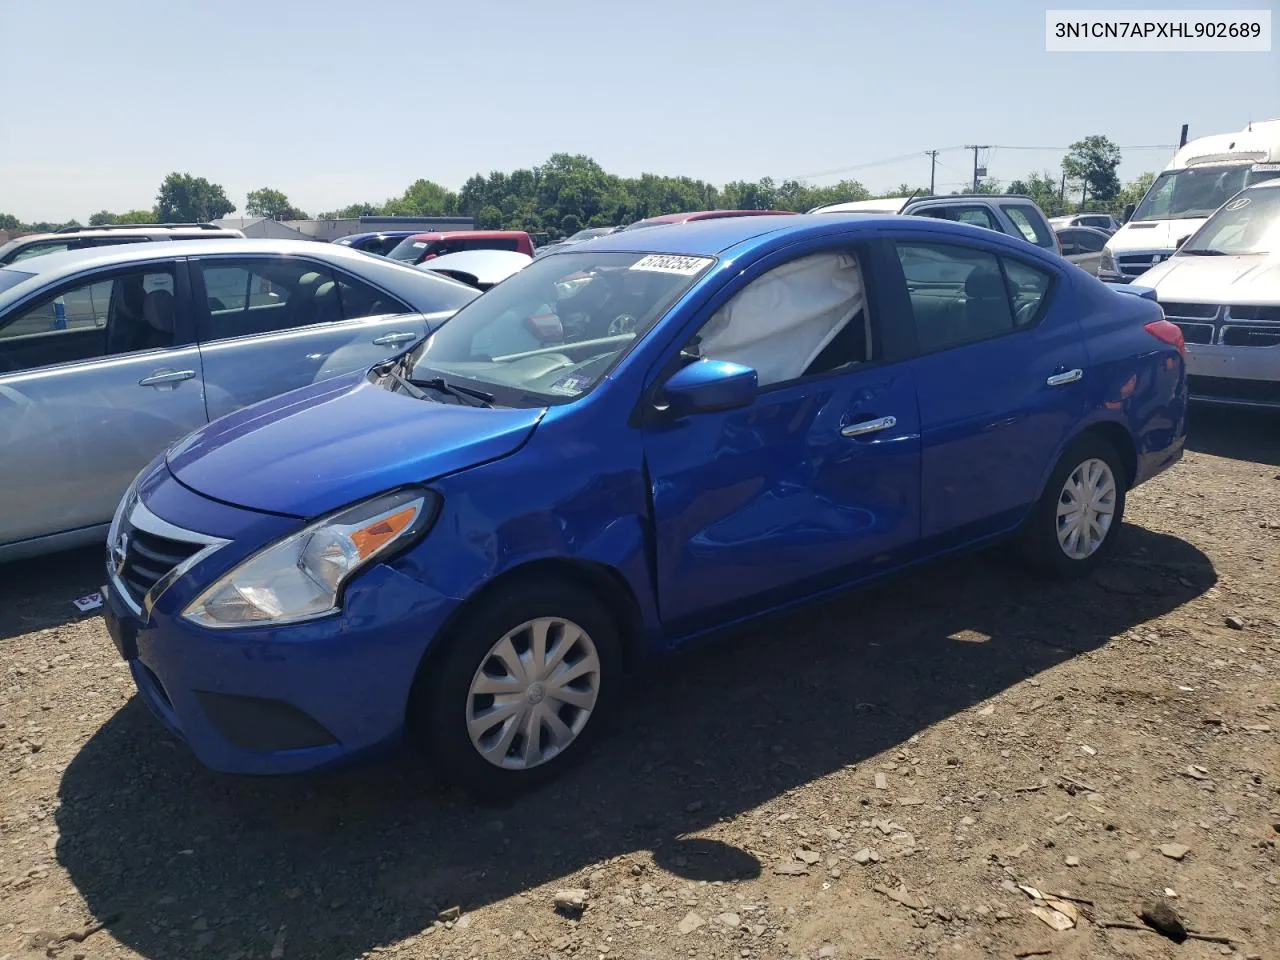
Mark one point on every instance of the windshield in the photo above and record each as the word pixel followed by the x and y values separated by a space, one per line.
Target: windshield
pixel 1196 191
pixel 1246 224
pixel 590 233
pixel 559 325
pixel 11 278
pixel 409 250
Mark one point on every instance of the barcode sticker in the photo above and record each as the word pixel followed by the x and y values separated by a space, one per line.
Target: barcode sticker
pixel 668 263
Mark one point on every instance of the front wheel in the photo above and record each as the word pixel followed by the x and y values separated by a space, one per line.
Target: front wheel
pixel 1073 527
pixel 520 687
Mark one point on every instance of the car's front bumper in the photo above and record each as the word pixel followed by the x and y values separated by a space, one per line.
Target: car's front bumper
pixel 1234 376
pixel 276 700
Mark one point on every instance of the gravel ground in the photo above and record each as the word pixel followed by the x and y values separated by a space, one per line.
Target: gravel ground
pixel 878 777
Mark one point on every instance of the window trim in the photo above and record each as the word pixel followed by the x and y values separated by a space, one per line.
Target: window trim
pixel 1001 256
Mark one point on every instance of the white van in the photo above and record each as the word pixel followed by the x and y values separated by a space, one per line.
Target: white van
pixel 1202 176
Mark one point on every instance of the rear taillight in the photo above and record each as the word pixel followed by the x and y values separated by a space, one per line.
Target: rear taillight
pixel 1169 333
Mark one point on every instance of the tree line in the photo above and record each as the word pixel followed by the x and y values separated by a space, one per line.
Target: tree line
pixel 570 192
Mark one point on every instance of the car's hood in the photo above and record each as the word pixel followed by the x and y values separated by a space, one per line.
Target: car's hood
pixel 312 450
pixel 1154 235
pixel 1252 279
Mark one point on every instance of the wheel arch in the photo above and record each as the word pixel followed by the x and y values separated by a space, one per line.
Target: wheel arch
pixel 600 580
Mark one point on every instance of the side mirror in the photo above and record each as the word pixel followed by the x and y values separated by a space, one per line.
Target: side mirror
pixel 1181 241
pixel 708 386
pixel 1128 211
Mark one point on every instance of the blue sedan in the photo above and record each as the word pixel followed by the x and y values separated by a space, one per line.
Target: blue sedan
pixel 626 446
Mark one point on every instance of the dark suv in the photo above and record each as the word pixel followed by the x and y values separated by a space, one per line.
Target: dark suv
pixel 77 238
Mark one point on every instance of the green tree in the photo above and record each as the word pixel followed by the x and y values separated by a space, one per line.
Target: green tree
pixel 352 211
pixel 272 204
pixel 102 218
pixel 136 216
pixel 1045 189
pixel 1092 164
pixel 9 222
pixel 184 198
pixel 423 198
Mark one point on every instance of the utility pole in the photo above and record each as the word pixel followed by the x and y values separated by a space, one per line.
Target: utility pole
pixel 933 166
pixel 1062 193
pixel 975 147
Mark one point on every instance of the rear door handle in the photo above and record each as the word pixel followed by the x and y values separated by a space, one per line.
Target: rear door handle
pixel 868 426
pixel 1060 379
pixel 162 377
pixel 391 339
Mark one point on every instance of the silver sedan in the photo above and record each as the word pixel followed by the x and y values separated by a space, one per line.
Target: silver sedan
pixel 110 354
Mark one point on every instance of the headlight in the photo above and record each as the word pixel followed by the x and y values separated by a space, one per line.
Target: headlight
pixel 1107 262
pixel 301 577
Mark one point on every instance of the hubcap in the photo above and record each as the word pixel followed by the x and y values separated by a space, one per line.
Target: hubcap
pixel 533 693
pixel 1086 507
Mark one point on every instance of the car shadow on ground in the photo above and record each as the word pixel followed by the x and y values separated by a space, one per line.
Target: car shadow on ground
pixel 186 863
pixel 40 593
pixel 1236 433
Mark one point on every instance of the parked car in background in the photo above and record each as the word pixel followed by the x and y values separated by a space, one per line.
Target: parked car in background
pixel 1016 215
pixel 82 238
pixel 423 246
pixel 481 269
pixel 381 242
pixel 696 215
pixel 1222 287
pixel 107 355
pixel 1099 221
pixel 581 236
pixel 1083 246
pixel 713 422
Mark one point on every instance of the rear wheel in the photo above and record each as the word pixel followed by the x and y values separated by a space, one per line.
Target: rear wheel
pixel 520 688
pixel 1074 526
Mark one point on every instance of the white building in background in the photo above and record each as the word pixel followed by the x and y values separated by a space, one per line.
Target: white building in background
pixel 327 231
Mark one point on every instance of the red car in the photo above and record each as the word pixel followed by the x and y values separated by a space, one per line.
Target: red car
pixel 427 246
pixel 704 215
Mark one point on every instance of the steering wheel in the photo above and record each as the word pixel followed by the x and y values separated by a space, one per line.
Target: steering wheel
pixel 622 323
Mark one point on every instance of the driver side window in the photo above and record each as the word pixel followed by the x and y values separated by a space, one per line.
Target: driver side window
pixel 803 318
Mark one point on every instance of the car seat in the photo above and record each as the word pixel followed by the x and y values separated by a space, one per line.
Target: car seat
pixel 158 311
pixel 986 311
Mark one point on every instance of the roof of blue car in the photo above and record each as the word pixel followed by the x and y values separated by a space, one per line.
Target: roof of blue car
pixel 712 237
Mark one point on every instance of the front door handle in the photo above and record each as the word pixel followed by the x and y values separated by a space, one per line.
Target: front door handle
pixel 1061 379
pixel 868 426
pixel 391 339
pixel 166 378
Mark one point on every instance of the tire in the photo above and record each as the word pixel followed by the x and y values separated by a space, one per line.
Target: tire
pixel 1040 543
pixel 444 704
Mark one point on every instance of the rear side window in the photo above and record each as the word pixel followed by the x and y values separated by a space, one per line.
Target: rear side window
pixel 961 295
pixel 1030 224
pixel 973 214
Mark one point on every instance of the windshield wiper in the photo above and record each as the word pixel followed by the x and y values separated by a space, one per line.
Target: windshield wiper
pixel 474 398
pixel 1205 252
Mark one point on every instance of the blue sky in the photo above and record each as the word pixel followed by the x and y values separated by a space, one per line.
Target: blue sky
pixel 334 102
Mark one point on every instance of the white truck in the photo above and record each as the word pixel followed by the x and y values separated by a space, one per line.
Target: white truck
pixel 1202 176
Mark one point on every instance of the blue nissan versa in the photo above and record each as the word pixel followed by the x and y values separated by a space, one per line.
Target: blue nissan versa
pixel 624 446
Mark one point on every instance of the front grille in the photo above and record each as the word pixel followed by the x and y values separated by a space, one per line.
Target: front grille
pixel 1199 311
pixel 1196 332
pixel 148 558
pixel 1237 336
pixel 1257 313
pixel 1136 264
pixel 1226 388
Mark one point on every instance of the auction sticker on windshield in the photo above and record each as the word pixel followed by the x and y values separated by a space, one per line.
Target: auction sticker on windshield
pixel 667 263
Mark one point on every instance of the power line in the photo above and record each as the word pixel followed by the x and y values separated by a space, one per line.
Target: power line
pixel 1148 146
pixel 863 166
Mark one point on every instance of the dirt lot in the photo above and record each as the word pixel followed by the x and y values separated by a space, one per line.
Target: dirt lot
pixel 875 778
